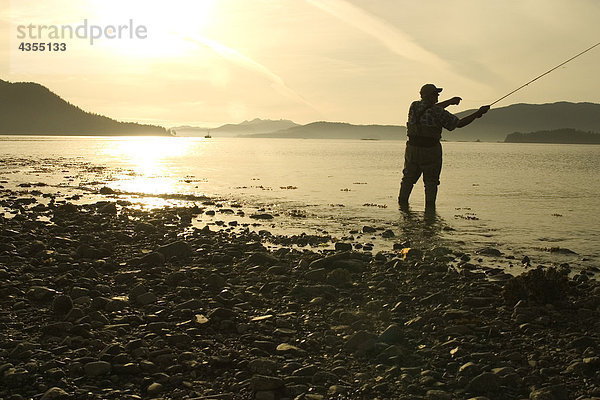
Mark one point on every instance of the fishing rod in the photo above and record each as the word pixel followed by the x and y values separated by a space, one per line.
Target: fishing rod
pixel 546 73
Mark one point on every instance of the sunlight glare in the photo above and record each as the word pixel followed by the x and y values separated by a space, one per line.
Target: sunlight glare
pixel 167 23
pixel 149 159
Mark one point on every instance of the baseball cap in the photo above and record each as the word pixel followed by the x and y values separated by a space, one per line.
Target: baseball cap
pixel 429 89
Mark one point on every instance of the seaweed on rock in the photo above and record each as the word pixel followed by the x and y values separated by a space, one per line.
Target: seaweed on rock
pixel 539 286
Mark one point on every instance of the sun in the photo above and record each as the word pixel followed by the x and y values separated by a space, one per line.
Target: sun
pixel 167 25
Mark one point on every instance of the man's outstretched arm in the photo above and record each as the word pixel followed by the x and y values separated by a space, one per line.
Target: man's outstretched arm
pixel 472 117
pixel 449 102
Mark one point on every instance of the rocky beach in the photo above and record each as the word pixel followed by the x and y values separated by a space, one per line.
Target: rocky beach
pixel 103 300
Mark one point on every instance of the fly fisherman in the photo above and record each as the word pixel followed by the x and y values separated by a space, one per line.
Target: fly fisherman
pixel 423 154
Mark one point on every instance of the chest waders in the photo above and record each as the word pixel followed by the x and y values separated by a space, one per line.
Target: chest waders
pixel 407 185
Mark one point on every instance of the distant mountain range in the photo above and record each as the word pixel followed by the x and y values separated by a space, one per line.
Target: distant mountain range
pixel 499 122
pixel 570 136
pixel 339 130
pixel 493 127
pixel 28 108
pixel 256 126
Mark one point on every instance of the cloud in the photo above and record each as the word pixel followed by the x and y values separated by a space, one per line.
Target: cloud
pixel 395 40
pixel 236 57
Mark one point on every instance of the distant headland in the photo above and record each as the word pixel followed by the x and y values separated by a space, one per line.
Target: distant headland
pixel 560 136
pixel 494 127
pixel 28 108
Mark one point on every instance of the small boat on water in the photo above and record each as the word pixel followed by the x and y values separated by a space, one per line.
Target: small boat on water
pixel 207 136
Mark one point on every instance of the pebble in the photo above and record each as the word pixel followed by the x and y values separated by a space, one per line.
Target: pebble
pixel 97 368
pixel 62 304
pixel 437 395
pixel 361 341
pixel 483 383
pixel 55 393
pixel 392 334
pixel 266 383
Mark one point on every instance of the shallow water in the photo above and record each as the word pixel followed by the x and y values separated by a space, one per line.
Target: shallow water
pixel 519 198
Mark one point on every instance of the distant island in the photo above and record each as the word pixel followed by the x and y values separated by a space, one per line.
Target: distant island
pixel 255 126
pixel 338 130
pixel 28 108
pixel 560 136
pixel 499 122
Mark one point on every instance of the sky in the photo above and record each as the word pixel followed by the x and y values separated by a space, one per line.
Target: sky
pixel 210 62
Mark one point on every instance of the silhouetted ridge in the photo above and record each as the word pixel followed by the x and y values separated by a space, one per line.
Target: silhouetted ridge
pixel 499 122
pixel 340 130
pixel 563 136
pixel 29 108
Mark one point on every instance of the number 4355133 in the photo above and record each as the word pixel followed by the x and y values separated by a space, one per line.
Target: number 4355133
pixel 26 46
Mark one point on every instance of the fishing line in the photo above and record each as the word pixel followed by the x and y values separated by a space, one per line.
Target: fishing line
pixel 546 73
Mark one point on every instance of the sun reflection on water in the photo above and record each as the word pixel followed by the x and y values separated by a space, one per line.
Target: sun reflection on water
pixel 148 161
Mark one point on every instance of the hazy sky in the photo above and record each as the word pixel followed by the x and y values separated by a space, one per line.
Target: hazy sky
pixel 209 62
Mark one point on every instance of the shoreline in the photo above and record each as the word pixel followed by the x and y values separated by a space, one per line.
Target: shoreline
pixel 108 301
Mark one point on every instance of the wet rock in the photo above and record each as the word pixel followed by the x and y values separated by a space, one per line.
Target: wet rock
pixel 266 383
pixel 155 388
pixel 153 259
pixel 557 392
pixel 55 393
pixel 175 278
pixel 41 293
pixel 561 250
pixel 332 261
pixel 261 258
pixel 339 277
pixel 312 291
pixel 278 270
pixel 105 190
pixel 97 368
pixel 583 342
pixel 538 286
pixel 338 390
pixel 368 229
pixel 341 246
pixel 262 366
pixel 146 298
pixel 489 251
pixel 86 251
pixel 145 227
pixel 317 275
pixel 285 348
pixel 410 253
pixel 110 208
pixel 179 249
pixel 263 216
pixel 265 395
pixel 392 334
pixel 483 383
pixel 221 314
pixel 62 304
pixel 361 341
pixel 470 369
pixel 437 395
pixel 57 329
pixel 388 233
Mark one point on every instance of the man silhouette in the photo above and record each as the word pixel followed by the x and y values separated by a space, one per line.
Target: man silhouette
pixel 423 155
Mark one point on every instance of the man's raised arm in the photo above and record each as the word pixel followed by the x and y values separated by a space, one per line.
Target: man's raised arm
pixel 472 117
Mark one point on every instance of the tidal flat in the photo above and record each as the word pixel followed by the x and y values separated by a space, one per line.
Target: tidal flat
pixel 104 300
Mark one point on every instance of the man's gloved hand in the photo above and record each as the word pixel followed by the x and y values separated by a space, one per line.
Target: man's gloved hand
pixel 482 110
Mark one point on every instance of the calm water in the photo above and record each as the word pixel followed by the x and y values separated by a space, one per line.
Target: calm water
pixel 520 198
